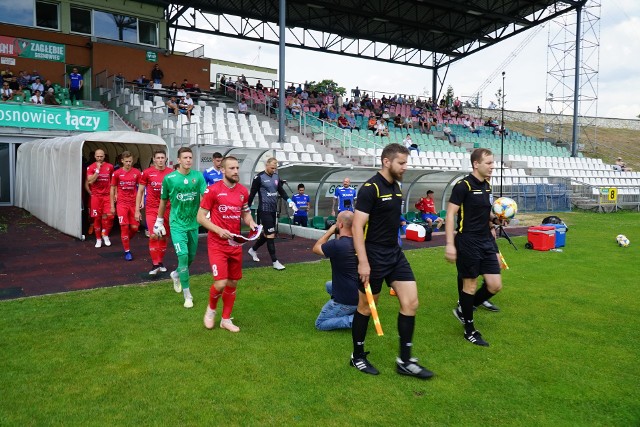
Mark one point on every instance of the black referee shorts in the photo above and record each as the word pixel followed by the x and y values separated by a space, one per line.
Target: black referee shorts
pixel 476 256
pixel 268 221
pixel 388 264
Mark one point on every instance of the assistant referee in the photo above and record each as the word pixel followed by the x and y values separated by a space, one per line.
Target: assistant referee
pixel 380 258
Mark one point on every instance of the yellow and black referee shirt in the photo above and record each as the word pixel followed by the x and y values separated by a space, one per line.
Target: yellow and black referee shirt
pixel 474 198
pixel 382 200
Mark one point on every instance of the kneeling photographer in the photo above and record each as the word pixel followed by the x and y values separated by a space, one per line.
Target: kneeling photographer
pixel 337 313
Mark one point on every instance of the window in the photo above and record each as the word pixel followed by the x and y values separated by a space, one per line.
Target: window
pixel 148 32
pixel 47 15
pixel 80 20
pixel 17 12
pixel 115 26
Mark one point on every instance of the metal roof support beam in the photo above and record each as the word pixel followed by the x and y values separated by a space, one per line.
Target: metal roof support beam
pixel 576 88
pixel 281 83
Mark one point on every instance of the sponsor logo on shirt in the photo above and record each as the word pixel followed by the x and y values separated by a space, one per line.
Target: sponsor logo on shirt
pixel 187 197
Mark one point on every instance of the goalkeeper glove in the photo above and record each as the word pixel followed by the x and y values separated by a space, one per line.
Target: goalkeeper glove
pixel 158 227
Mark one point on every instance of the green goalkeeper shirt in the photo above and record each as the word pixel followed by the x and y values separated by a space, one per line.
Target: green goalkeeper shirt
pixel 183 191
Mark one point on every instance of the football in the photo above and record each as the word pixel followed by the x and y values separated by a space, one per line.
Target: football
pixel 623 241
pixel 504 208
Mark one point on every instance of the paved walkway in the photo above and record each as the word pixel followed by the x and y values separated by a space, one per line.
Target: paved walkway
pixel 35 259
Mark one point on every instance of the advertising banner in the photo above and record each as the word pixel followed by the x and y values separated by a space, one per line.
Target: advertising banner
pixel 56 118
pixel 34 49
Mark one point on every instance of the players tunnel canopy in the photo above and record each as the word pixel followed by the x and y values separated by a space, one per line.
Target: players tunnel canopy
pixel 422 33
pixel 50 172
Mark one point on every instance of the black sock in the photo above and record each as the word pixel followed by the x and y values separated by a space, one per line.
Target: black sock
pixel 359 332
pixel 261 241
pixel 481 295
pixel 271 247
pixel 466 304
pixel 459 288
pixel 406 325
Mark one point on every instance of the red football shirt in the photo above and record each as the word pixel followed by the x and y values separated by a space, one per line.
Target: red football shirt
pixel 126 183
pixel 152 178
pixel 102 186
pixel 226 206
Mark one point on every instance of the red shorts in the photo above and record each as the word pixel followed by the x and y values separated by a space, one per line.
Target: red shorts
pixel 151 216
pixel 100 205
pixel 226 262
pixel 126 215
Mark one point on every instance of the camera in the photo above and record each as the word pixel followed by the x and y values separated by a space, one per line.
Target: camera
pixel 329 223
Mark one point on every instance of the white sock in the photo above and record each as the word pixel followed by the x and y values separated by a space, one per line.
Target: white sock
pixel 187 293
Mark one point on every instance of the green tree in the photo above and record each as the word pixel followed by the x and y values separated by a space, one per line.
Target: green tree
pixel 325 85
pixel 450 95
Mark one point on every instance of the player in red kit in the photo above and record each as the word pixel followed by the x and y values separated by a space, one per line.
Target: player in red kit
pixel 227 202
pixel 151 181
pixel 99 184
pixel 124 188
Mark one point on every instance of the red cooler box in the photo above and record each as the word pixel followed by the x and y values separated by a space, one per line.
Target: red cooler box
pixel 416 232
pixel 541 238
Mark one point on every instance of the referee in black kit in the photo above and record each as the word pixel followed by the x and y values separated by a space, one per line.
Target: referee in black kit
pixel 380 258
pixel 267 185
pixel 473 248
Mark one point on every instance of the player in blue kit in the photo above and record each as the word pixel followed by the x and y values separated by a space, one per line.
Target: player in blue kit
pixel 214 173
pixel 346 197
pixel 303 205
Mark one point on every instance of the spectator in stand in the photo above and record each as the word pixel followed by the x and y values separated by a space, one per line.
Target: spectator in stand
pixel 50 98
pixel 472 129
pixel 466 123
pixel 356 95
pixel 46 86
pixel 7 93
pixel 425 123
pixel 172 106
pixel 37 85
pixel 621 165
pixel 333 116
pixel 385 116
pixel 304 95
pixel 259 86
pixel 457 106
pixel 299 89
pixel 186 85
pixel 244 81
pixel 449 134
pixel 323 115
pixel 142 81
pixel 343 123
pixel 539 110
pixel 296 107
pixel 352 121
pixel 35 75
pixel 491 123
pixel 156 74
pixel 37 97
pixel 243 108
pixel 195 90
pixel 373 121
pixel 381 128
pixel 408 142
pixel 186 106
pixel 398 121
pixel 7 75
pixel 181 93
pixel 223 82
pixel 408 122
pixel 21 81
pixel 356 110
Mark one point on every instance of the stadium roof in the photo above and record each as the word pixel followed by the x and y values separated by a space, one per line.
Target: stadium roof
pixel 422 33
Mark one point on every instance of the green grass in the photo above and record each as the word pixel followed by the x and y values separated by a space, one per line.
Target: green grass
pixel 564 349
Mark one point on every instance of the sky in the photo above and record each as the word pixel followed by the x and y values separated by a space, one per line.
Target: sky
pixel 526 81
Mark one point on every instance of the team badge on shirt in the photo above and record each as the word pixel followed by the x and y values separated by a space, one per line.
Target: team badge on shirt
pixel 186 181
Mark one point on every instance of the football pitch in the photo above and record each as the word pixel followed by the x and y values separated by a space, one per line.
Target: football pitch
pixel 564 348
